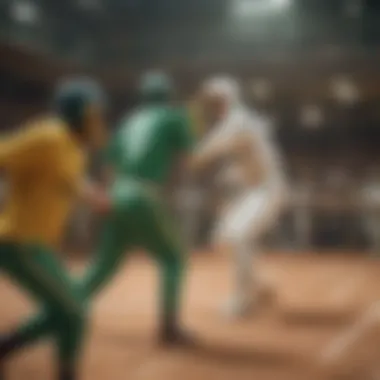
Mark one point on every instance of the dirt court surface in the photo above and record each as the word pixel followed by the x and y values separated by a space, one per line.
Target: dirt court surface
pixel 317 297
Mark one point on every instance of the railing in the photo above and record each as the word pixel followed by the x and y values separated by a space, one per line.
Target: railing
pixel 360 214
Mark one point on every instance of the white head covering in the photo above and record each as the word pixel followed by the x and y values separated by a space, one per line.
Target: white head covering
pixel 225 87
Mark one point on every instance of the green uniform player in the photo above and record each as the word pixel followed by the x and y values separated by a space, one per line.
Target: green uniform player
pixel 143 152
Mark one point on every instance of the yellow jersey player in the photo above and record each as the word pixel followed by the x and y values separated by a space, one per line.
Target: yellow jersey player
pixel 44 164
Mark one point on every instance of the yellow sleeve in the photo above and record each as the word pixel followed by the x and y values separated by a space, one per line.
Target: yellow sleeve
pixel 28 148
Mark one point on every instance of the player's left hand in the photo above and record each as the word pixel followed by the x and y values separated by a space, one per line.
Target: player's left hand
pixel 99 200
pixel 96 197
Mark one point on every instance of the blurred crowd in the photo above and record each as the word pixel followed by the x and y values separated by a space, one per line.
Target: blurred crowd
pixel 313 74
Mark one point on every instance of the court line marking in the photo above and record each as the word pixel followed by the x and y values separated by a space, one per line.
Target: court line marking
pixel 349 337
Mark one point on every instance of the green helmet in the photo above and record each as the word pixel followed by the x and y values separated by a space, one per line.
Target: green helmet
pixel 73 96
pixel 155 86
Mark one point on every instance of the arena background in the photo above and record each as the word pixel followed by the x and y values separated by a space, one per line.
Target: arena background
pixel 310 66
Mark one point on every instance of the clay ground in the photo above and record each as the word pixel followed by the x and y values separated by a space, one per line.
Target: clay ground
pixel 317 296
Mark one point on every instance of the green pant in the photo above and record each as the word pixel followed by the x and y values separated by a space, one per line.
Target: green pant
pixel 38 272
pixel 138 219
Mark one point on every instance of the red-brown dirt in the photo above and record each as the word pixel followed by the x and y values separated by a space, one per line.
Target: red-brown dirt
pixel 316 298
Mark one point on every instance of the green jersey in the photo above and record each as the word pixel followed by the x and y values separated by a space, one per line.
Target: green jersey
pixel 148 142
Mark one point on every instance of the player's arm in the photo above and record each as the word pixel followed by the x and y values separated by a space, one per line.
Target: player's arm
pixel 184 137
pixel 179 133
pixel 95 196
pixel 209 150
pixel 262 148
pixel 219 144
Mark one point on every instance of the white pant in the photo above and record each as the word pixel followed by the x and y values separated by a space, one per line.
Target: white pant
pixel 251 215
pixel 244 222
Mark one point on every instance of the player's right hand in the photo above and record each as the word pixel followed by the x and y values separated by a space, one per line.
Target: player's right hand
pixel 100 201
pixel 102 204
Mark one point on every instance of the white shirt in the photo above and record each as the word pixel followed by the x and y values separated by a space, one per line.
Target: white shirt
pixel 261 160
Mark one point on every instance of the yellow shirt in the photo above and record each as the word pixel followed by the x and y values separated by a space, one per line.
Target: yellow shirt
pixel 44 166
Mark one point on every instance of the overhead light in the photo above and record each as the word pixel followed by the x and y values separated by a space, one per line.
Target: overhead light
pixel 24 12
pixel 280 3
pixel 336 178
pixel 344 90
pixel 311 116
pixel 244 8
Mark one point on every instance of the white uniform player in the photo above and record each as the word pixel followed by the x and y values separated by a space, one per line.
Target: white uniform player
pixel 254 172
